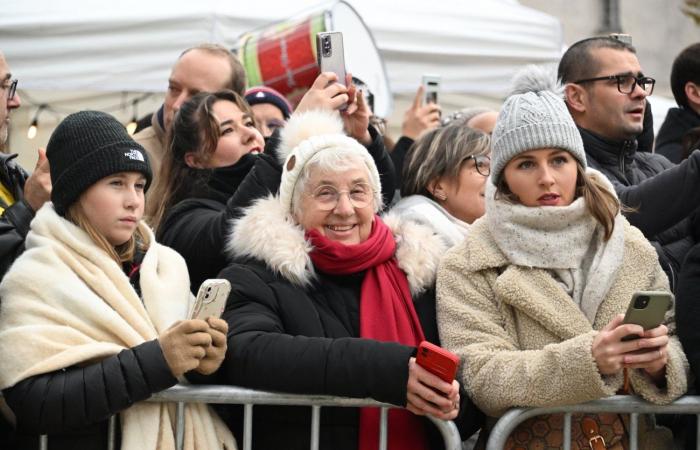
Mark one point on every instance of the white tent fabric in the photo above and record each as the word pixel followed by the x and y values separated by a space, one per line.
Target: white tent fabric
pixel 130 45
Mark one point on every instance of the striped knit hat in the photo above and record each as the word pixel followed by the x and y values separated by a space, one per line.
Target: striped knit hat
pixel 533 117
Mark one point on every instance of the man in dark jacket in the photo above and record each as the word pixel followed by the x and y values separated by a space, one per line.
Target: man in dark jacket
pixel 685 84
pixel 606 92
pixel 20 194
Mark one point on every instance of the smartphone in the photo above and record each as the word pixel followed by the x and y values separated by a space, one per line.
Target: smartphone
pixel 437 361
pixel 211 299
pixel 330 53
pixel 648 309
pixel 431 86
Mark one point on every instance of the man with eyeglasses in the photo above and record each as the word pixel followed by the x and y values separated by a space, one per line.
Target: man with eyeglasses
pixel 605 91
pixel 21 195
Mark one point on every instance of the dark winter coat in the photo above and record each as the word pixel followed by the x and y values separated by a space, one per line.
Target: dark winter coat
pixel 197 227
pixel 663 195
pixel 677 123
pixel 15 220
pixel 295 331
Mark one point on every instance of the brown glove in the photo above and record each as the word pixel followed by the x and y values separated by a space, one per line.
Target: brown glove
pixel 184 344
pixel 217 350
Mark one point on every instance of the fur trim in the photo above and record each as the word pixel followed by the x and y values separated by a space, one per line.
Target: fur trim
pixel 536 78
pixel 267 233
pixel 302 126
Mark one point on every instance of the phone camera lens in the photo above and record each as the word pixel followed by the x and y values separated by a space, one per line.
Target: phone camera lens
pixel 641 302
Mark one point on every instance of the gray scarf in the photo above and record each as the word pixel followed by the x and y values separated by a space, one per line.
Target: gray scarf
pixel 566 240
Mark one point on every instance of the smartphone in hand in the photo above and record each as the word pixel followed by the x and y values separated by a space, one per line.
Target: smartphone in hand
pixel 331 54
pixel 211 299
pixel 648 309
pixel 437 361
pixel 431 87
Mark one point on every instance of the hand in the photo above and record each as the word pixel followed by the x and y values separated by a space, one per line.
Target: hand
pixel 37 188
pixel 325 94
pixel 184 344
pixel 428 394
pixel 356 115
pixel 649 352
pixel 214 356
pixel 419 118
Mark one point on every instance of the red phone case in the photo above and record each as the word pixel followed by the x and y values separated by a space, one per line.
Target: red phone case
pixel 437 361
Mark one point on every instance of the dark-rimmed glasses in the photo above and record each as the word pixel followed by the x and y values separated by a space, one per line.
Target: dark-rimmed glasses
pixel 12 88
pixel 625 83
pixel 482 163
pixel 327 196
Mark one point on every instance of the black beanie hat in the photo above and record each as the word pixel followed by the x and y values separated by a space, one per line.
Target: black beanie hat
pixel 86 147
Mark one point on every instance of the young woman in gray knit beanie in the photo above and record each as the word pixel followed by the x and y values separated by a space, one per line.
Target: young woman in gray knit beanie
pixel 533 299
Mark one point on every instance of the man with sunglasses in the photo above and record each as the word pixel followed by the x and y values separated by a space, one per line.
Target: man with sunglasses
pixel 605 91
pixel 21 195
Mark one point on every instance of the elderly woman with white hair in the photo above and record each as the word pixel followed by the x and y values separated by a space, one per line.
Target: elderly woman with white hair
pixel 329 298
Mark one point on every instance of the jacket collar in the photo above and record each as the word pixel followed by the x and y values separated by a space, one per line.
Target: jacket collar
pixel 532 291
pixel 607 151
pixel 678 122
pixel 267 233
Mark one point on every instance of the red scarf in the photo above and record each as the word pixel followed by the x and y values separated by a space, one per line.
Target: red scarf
pixel 386 314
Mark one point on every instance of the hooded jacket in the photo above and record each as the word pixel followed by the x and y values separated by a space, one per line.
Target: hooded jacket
pixel 296 330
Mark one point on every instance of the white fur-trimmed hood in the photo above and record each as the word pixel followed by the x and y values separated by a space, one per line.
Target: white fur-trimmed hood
pixel 267 233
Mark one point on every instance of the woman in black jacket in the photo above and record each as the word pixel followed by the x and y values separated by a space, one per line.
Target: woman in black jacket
pixel 329 298
pixel 218 163
pixel 94 312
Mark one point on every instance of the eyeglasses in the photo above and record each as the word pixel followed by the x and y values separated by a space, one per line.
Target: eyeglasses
pixel 482 163
pixel 626 83
pixel 12 88
pixel 327 197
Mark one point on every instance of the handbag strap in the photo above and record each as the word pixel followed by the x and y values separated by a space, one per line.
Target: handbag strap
pixel 592 432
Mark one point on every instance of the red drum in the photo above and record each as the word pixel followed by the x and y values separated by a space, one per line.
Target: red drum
pixel 283 55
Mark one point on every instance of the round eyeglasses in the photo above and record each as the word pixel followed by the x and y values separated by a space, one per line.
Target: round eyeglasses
pixel 482 164
pixel 626 83
pixel 327 197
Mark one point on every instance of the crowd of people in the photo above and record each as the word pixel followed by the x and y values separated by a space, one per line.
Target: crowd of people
pixel 515 239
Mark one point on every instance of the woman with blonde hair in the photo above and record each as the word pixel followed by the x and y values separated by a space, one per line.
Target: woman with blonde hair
pixel 533 299
pixel 94 313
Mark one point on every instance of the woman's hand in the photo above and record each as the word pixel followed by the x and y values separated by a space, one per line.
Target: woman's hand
pixel 419 117
pixel 649 352
pixel 428 394
pixel 184 344
pixel 218 328
pixel 356 115
pixel 326 94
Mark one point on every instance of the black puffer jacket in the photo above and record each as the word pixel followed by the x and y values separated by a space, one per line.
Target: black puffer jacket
pixel 290 338
pixel 688 310
pixel 663 195
pixel 73 405
pixel 15 220
pixel 678 122
pixel 198 227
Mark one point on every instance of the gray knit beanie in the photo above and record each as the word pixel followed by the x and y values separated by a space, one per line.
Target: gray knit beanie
pixel 534 116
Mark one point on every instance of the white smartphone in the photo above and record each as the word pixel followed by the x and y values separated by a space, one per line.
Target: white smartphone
pixel 331 54
pixel 648 309
pixel 431 85
pixel 211 299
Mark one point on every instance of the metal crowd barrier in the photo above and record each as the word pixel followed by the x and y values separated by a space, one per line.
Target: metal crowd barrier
pixel 248 397
pixel 631 404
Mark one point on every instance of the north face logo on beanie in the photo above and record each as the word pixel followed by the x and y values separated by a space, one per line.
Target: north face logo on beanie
pixel 135 155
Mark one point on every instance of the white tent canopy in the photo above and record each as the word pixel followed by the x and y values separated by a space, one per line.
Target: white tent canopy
pixel 131 45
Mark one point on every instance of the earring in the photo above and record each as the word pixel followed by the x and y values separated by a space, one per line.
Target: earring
pixel 441 196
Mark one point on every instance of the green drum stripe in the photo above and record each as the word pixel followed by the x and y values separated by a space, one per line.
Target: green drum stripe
pixel 317 25
pixel 250 61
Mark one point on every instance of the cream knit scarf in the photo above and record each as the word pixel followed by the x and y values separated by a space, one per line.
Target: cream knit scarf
pixel 65 302
pixel 423 210
pixel 567 241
